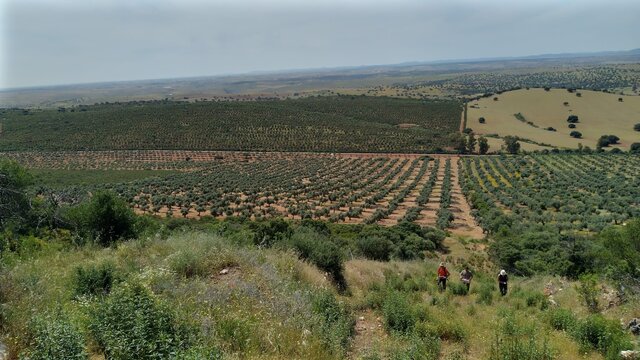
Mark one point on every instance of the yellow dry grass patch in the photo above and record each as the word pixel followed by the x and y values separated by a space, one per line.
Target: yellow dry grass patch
pixel 599 113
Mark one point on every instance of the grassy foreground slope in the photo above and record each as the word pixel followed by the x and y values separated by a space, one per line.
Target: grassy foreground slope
pixel 211 294
pixel 324 124
pixel 599 114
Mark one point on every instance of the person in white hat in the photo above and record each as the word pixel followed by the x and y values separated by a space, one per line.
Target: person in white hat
pixel 502 282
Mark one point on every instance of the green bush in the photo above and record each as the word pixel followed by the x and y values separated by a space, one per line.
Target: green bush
pixel 485 293
pixel 457 288
pixel 375 247
pixel 397 312
pixel 589 291
pixel 515 341
pixel 54 337
pixel 105 218
pixel 321 251
pixel 562 319
pixel 604 335
pixel 337 324
pixel 95 279
pixel 269 232
pixel 131 323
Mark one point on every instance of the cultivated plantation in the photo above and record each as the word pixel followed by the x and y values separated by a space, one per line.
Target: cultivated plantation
pixel 315 124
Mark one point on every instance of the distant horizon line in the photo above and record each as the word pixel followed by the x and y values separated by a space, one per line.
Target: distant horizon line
pixel 343 67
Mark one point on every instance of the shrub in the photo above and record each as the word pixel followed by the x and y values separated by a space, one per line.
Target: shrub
pixel 398 315
pixel 635 148
pixel 515 341
pixel 131 323
pixel 483 120
pixel 54 337
pixel 572 119
pixel 337 324
pixel 606 140
pixel 413 247
pixel 588 290
pixel 457 288
pixel 105 217
pixel 576 134
pixel 606 336
pixel 535 299
pixel 485 293
pixel 189 263
pixel 375 247
pixel 572 126
pixel 321 251
pixel 562 319
pixel 636 127
pixel 94 279
pixel 268 232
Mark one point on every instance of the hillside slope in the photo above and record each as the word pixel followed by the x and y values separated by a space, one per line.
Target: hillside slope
pixel 599 114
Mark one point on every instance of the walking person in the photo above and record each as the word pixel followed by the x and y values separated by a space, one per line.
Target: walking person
pixel 502 282
pixel 443 275
pixel 465 276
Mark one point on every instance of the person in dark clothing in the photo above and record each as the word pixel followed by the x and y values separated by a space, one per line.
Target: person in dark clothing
pixel 502 282
pixel 443 275
pixel 465 276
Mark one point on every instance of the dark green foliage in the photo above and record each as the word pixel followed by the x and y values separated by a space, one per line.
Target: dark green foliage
pixel 15 204
pixel 482 120
pixel 131 323
pixel 327 124
pixel 105 218
pixel 398 314
pixel 636 127
pixel 635 148
pixel 54 337
pixel 572 126
pixel 576 134
pixel 511 144
pixel 572 119
pixel 375 247
pixel 606 140
pixel 483 145
pixel 321 251
pixel 268 232
pixel 94 279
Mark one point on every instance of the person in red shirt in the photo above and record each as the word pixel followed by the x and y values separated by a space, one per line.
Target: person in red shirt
pixel 443 275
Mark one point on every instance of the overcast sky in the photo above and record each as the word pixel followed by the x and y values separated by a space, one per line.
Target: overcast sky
pixel 46 42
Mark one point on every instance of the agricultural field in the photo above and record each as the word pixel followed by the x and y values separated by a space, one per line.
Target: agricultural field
pixel 345 188
pixel 529 114
pixel 315 124
pixel 570 193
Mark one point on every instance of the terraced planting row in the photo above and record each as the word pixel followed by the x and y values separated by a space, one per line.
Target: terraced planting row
pixel 568 192
pixel 383 190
